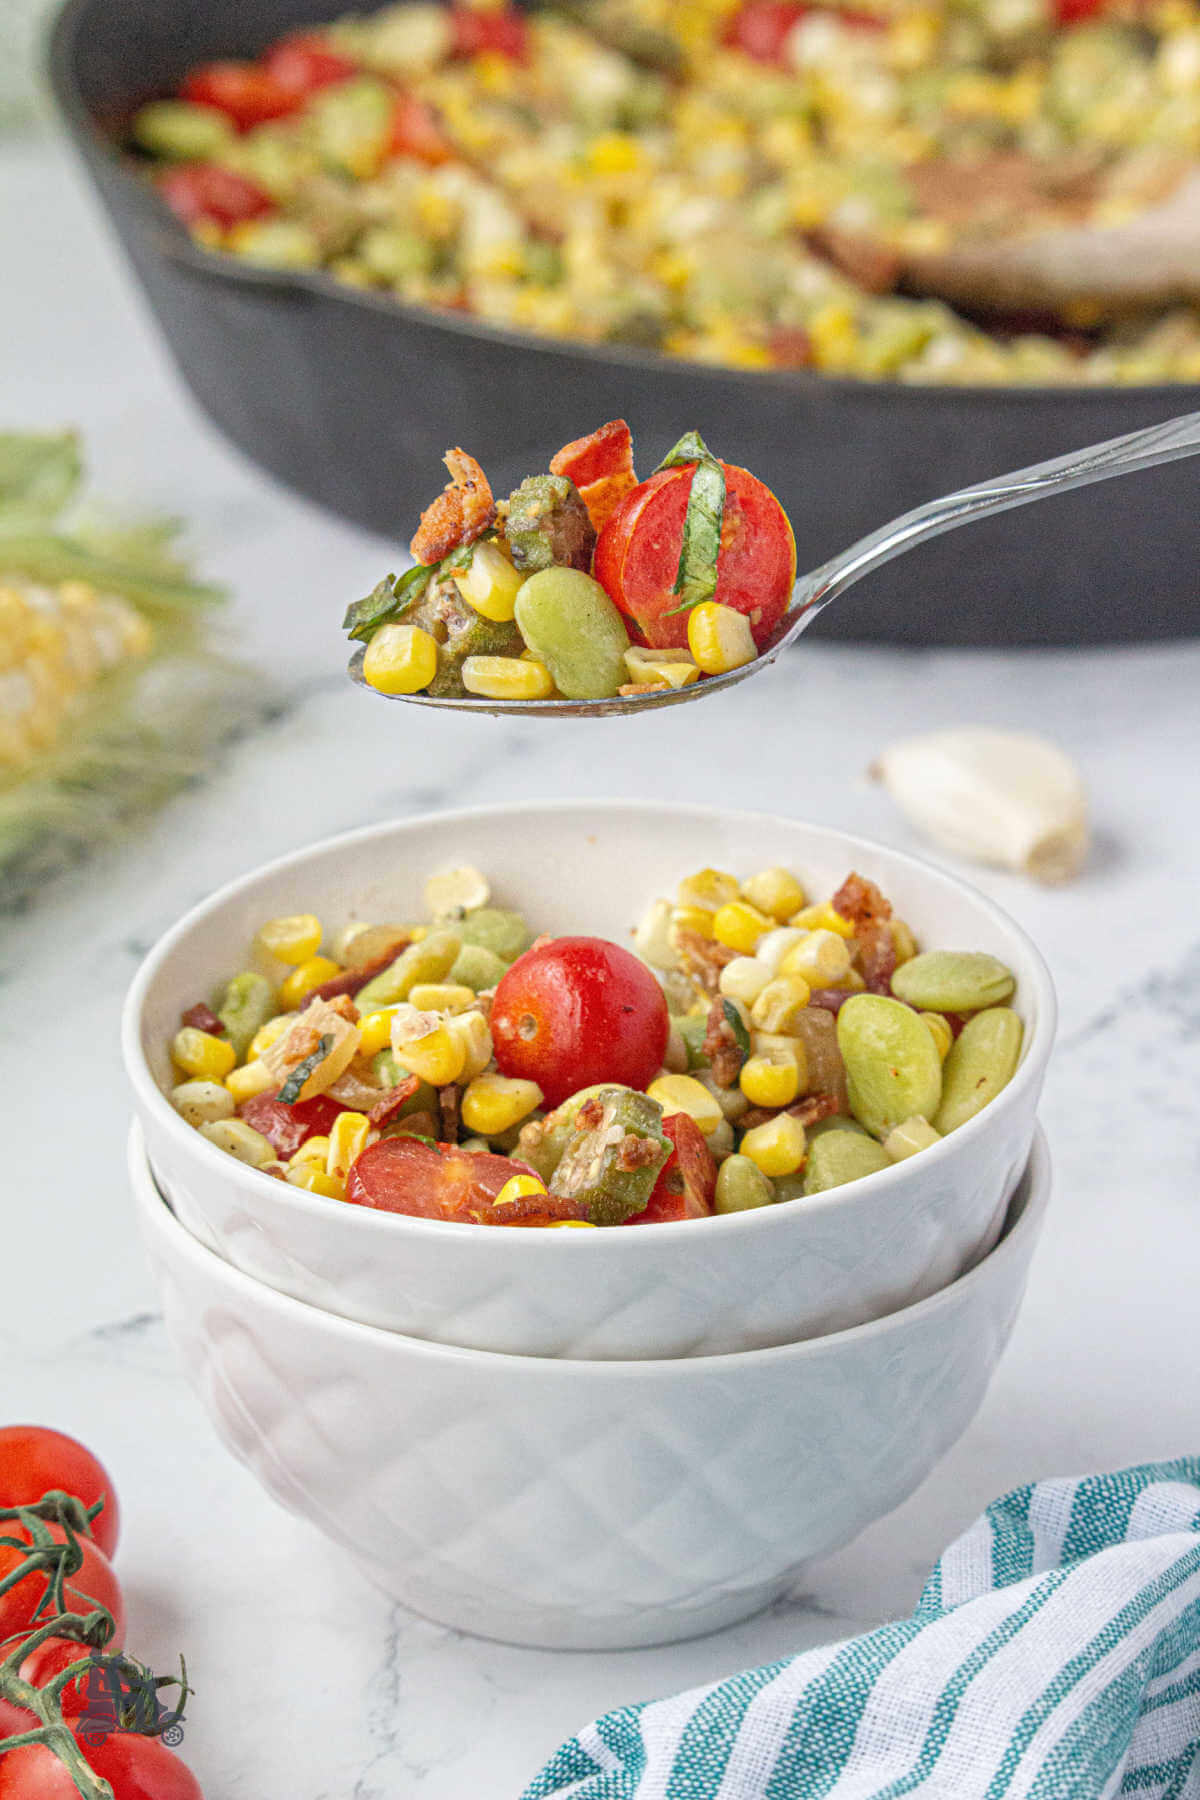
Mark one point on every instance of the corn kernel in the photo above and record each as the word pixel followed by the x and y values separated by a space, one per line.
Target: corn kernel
pixel 292 939
pixel 251 1079
pixel 315 1181
pixel 822 917
pixel 313 1150
pixel 684 1094
pixel 910 1136
pixel 708 889
pixel 614 153
pixel 238 1139
pixel 903 941
pixel 436 1056
pixel 570 1225
pixel 269 1034
pixel 347 1140
pixel 821 959
pixel 400 659
pixel 475 1035
pixel 202 1102
pixel 202 1055
pixel 696 919
pixel 770 1081
pixel 507 678
pixel 776 1147
pixel 743 979
pixel 939 1030
pixel 674 667
pixel 375 1033
pixel 519 1187
pixel 771 949
pixel 775 892
pixel 739 927
pixel 778 1003
pixel 305 977
pixel 442 996
pixel 719 638
pixel 652 939
pixel 492 1104
pixel 490 584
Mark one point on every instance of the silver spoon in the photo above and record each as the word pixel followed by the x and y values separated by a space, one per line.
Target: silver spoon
pixel 1119 456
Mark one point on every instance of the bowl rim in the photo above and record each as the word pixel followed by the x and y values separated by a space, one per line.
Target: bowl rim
pixel 176 244
pixel 1036 1179
pixel 1035 1051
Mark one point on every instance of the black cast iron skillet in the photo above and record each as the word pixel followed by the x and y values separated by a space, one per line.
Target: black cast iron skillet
pixel 352 397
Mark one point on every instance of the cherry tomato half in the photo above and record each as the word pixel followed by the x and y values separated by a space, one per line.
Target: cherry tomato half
pixel 136 1768
pixel 415 132
pixel 687 1181
pixel 92 1585
pixel 504 32
pixel 440 1181
pixel 637 554
pixel 287 1127
pixel 34 1459
pixel 578 1011
pixel 306 63
pixel 761 28
pixel 196 191
pixel 242 90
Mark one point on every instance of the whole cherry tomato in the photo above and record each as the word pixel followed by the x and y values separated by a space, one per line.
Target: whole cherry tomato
pixel 243 91
pixel 34 1459
pixel 637 554
pixel 196 191
pixel 687 1181
pixel 577 1011
pixel 440 1181
pixel 49 1660
pixel 136 1768
pixel 503 31
pixel 306 63
pixel 92 1585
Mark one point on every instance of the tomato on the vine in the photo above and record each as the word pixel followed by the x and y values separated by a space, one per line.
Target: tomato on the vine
pixel 577 1011
pixel 34 1459
pixel 50 1659
pixel 93 1584
pixel 136 1768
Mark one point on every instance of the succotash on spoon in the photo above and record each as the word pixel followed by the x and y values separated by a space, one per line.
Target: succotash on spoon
pixel 1098 462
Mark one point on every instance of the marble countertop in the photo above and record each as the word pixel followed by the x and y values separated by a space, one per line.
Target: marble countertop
pixel 310 1684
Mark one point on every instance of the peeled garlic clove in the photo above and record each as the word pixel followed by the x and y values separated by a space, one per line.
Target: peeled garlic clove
pixel 457 892
pixel 1006 797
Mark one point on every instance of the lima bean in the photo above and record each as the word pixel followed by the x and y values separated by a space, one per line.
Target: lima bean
pixel 893 1069
pixel 981 1061
pixel 246 1005
pixel 693 1030
pixel 839 1156
pixel 571 625
pixel 953 981
pixel 494 928
pixel 742 1186
pixel 181 131
pixel 477 967
pixel 430 960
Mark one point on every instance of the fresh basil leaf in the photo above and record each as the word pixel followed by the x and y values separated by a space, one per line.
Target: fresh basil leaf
pixel 737 1025
pixel 290 1091
pixel 386 602
pixel 691 448
pixel 696 576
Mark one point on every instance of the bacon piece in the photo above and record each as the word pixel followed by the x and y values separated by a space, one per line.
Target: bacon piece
pixel 449 1105
pixel 703 958
pixel 831 999
pixel 870 265
pixel 202 1018
pixel 601 466
pixel 721 1046
pixel 870 912
pixel 636 1152
pixel 393 1100
pixel 808 1111
pixel 461 513
pixel 348 983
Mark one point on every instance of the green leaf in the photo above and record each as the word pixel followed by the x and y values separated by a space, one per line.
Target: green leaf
pixel 737 1025
pixel 290 1091
pixel 386 602
pixel 39 473
pixel 691 448
pixel 696 576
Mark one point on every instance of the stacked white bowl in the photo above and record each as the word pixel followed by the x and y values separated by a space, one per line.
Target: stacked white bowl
pixel 588 1439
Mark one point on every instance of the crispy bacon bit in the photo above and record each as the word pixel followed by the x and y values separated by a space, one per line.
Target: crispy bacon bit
pixel 830 999
pixel 461 513
pixel 703 958
pixel 631 688
pixel 790 347
pixel 808 1111
pixel 870 265
pixel 860 901
pixel 387 1108
pixel 601 466
pixel 529 1209
pixel 449 1099
pixel 721 1046
pixel 203 1018
pixel 636 1152
pixel 346 984
pixel 590 1115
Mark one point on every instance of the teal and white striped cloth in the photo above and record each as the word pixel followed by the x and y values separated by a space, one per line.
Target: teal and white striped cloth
pixel 1054 1655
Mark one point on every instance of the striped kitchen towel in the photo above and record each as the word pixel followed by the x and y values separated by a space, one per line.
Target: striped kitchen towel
pixel 1054 1655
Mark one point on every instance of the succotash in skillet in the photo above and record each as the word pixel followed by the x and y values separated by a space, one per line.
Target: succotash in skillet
pixel 742 182
pixel 757 1049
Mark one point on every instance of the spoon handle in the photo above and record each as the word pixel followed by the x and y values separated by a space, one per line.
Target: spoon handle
pixel 1119 456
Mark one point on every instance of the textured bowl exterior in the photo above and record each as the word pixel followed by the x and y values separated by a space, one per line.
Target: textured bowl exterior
pixel 583 1505
pixel 704 1288
pixel 352 398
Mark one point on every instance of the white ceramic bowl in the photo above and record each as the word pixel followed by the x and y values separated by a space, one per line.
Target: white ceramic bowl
pixel 708 1286
pixel 583 1505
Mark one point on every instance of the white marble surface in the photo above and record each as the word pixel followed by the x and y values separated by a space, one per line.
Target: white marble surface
pixel 310 1685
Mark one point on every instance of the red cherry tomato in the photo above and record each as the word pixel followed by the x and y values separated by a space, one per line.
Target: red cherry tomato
pixel 287 1127
pixel 1074 12
pixel 637 554
pixel 34 1459
pixel 49 1660
pixel 136 1768
pixel 687 1181
pixel 305 63
pixel 242 90
pixel 92 1585
pixel 416 133
pixel 578 1011
pixel 196 191
pixel 505 32
pixel 440 1181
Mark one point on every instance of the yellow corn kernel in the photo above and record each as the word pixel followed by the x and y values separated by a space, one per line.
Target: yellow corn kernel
pixel 778 1003
pixel 903 941
pixel 202 1055
pixel 821 959
pixel 437 1056
pixel 775 892
pixel 856 983
pixel 313 1150
pixel 375 1032
pixel 305 977
pixel 314 1180
pixel 490 584
pixel 822 917
pixel 911 1135
pixel 776 1147
pixel 293 939
pixel 739 926
pixel 833 333
pixel 697 919
pixel 940 1032
pixel 492 1104
pixel 772 949
pixel 519 1187
pixel 615 153
pixel 474 1034
pixel 251 1079
pixel 268 1034
pixel 770 1081
pixel 743 979
pixel 238 1139
pixel 684 1094
pixel 570 1225
pixel 507 678
pixel 442 996
pixel 708 889
pixel 347 1140
pixel 675 667
pixel 400 659
pixel 720 638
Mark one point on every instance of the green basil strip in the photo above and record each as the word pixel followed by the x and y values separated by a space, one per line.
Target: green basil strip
pixel 290 1091
pixel 696 576
pixel 386 602
pixel 737 1025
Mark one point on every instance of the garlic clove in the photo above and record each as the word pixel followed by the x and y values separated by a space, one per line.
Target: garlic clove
pixel 1004 797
